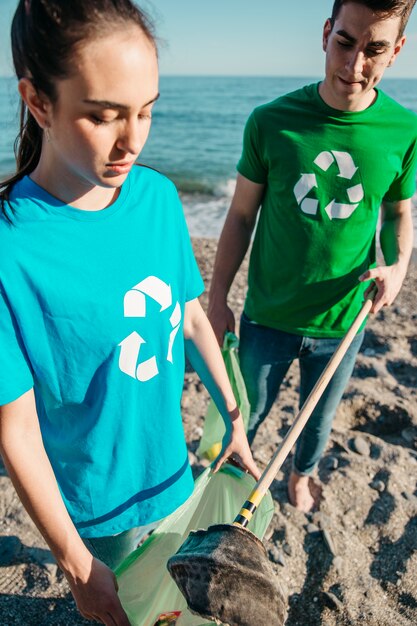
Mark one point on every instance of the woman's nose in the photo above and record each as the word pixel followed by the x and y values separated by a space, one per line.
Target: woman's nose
pixel 133 137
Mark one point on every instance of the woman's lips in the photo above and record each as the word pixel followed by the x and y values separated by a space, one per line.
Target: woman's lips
pixel 120 168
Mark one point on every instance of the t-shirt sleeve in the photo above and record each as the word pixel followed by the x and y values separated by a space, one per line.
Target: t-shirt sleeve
pixel 404 185
pixel 15 374
pixel 194 282
pixel 251 164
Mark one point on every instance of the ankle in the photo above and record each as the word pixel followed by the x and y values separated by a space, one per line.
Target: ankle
pixel 299 479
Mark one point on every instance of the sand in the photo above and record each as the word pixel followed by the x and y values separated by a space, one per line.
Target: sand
pixel 352 562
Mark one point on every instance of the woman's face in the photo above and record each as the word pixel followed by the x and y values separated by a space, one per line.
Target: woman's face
pixel 102 116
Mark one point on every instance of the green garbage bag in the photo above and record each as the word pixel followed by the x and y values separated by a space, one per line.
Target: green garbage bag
pixel 147 592
pixel 214 428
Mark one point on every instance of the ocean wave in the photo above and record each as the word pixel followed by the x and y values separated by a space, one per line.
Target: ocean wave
pixel 201 187
pixel 205 207
pixel 205 217
pixel 206 212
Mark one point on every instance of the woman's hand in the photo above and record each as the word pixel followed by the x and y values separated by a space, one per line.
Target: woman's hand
pixel 94 588
pixel 235 446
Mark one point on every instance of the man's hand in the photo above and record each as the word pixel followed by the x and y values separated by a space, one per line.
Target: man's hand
pixel 389 280
pixel 95 593
pixel 222 319
pixel 236 446
pixel 396 239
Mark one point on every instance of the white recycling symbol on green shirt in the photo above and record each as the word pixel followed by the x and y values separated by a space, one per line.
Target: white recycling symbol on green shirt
pixel 135 306
pixel 307 182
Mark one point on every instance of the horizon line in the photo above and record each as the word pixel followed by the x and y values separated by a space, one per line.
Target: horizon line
pixel 207 75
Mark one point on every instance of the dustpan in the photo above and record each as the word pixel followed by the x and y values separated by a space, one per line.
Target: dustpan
pixel 146 589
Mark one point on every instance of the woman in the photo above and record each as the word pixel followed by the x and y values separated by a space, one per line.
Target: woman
pixel 98 291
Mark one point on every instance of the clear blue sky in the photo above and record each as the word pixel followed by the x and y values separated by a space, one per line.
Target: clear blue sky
pixel 238 37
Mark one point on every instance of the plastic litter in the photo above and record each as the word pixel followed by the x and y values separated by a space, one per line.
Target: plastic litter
pixel 214 428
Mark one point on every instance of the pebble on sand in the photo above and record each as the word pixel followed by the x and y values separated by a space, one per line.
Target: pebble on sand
pixel 361 446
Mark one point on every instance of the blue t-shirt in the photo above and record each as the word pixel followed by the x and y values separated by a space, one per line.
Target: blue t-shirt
pixel 91 316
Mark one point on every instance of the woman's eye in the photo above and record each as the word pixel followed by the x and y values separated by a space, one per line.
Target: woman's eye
pixel 145 116
pixel 98 121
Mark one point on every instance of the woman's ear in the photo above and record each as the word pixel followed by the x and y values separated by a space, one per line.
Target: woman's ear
pixel 38 105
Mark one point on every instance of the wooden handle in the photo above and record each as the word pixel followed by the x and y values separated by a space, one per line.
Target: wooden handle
pixel 300 421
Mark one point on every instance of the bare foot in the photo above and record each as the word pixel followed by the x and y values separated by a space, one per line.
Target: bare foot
pixel 303 493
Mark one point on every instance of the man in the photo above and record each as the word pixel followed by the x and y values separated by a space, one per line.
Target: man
pixel 321 162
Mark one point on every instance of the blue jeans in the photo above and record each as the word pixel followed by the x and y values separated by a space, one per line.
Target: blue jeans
pixel 265 357
pixel 112 550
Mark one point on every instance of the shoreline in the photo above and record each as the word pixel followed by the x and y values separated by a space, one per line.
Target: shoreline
pixel 198 240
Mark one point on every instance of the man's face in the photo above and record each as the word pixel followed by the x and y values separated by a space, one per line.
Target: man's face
pixel 359 47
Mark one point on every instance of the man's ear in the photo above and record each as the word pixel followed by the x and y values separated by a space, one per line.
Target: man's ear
pixel 397 49
pixel 38 104
pixel 327 29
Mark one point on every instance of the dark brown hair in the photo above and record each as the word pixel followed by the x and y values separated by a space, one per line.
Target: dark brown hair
pixel 45 34
pixel 387 8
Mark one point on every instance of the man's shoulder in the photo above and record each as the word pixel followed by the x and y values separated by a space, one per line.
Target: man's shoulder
pixel 286 104
pixel 397 110
pixel 285 109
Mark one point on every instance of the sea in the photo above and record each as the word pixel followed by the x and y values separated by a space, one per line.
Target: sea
pixel 196 135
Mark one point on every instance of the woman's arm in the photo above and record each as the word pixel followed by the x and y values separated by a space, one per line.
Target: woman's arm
pixel 92 583
pixel 204 354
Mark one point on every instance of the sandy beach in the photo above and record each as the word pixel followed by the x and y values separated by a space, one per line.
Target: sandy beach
pixel 352 562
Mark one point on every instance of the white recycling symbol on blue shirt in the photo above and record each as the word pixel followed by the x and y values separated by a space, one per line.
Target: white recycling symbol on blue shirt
pixel 135 306
pixel 307 182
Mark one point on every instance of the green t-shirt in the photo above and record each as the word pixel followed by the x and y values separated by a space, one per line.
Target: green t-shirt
pixel 326 173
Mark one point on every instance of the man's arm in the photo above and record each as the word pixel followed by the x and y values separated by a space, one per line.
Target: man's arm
pixel 205 356
pixel 233 244
pixel 92 583
pixel 396 238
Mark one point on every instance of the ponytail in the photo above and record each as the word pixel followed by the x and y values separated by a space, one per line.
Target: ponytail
pixel 27 149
